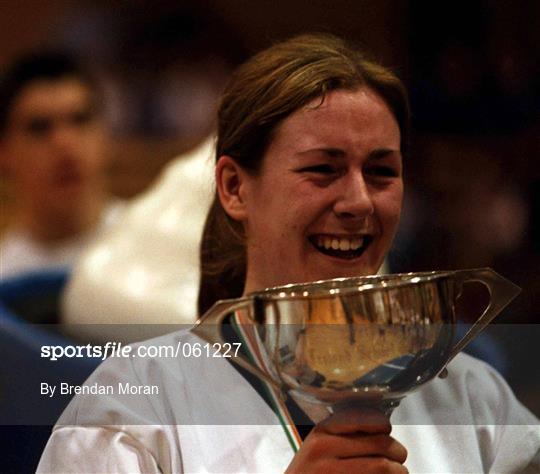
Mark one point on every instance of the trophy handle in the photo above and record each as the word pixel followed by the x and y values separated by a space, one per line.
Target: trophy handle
pixel 209 329
pixel 501 293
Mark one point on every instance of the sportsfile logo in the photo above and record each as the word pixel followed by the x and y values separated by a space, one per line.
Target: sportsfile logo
pixel 117 349
pixel 110 349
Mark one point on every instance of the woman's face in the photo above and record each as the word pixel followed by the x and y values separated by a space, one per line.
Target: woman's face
pixel 327 200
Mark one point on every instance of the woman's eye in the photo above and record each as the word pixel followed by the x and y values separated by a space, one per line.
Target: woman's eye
pixel 320 169
pixel 384 171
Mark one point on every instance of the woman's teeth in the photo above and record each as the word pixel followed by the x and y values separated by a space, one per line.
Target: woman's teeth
pixel 341 247
pixel 339 243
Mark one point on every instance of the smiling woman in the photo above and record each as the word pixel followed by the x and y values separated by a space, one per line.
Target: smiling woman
pixel 328 181
pixel 313 132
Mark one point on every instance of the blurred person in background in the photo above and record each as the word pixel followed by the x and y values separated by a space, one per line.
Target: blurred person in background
pixel 53 149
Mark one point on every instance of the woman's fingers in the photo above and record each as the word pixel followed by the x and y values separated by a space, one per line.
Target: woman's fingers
pixel 355 420
pixel 351 440
pixel 355 445
pixel 378 445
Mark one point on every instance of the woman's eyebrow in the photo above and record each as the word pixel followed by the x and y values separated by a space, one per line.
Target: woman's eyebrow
pixel 383 153
pixel 333 152
pixel 339 153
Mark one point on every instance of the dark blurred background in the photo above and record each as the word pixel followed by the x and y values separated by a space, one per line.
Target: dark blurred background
pixel 473 176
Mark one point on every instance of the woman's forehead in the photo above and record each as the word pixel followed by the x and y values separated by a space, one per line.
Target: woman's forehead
pixel 340 115
pixel 341 101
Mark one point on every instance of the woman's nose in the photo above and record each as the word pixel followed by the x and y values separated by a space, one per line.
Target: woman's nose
pixel 355 199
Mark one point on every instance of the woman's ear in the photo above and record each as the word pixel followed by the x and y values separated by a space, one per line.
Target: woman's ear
pixel 231 183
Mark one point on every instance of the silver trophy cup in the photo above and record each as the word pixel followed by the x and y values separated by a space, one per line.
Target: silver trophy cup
pixel 368 340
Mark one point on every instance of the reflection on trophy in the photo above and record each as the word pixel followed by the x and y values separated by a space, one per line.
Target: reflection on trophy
pixel 341 342
pixel 367 340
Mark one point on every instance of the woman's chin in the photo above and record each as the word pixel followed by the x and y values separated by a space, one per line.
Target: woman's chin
pixel 329 267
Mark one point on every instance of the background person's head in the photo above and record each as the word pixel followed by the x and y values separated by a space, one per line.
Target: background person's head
pixel 52 144
pixel 259 107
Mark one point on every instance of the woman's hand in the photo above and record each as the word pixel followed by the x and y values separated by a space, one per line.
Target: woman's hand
pixel 351 440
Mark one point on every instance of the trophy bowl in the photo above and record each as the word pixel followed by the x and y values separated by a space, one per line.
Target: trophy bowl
pixel 368 340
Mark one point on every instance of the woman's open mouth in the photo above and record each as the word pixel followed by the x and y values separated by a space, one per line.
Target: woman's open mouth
pixel 346 248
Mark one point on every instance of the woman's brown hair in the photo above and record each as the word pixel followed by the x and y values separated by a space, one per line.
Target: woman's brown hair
pixel 261 94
